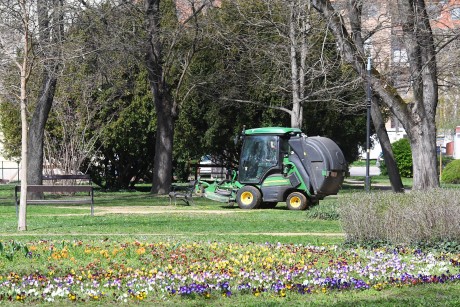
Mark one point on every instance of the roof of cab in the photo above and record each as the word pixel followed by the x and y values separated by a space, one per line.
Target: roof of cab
pixel 272 130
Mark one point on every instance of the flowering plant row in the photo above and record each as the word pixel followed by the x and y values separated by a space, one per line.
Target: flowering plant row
pixel 47 271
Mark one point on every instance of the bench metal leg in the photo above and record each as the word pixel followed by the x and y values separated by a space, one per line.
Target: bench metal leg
pixel 92 203
pixel 172 197
pixel 16 201
pixel 184 197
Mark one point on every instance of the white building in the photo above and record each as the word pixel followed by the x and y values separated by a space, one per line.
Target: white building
pixel 449 142
pixel 395 133
pixel 456 153
pixel 9 170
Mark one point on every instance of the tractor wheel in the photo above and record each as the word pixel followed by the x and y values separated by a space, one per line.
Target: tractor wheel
pixel 268 205
pixel 297 201
pixel 248 197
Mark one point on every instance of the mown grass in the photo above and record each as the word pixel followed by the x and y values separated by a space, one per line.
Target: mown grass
pixel 205 220
pixel 193 223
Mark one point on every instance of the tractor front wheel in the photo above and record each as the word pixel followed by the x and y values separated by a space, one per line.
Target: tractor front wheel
pixel 297 201
pixel 249 197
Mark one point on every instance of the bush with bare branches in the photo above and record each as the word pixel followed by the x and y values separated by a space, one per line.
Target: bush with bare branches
pixel 413 217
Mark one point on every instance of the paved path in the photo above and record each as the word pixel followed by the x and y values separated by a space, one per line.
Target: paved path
pixel 361 171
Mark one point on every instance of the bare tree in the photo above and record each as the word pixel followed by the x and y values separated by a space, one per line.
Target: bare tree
pixel 78 137
pixel 299 22
pixel 286 40
pixel 417 115
pixel 93 74
pixel 446 29
pixel 39 28
pixel 16 32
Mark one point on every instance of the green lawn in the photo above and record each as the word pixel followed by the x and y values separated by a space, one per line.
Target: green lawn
pixel 208 221
pixel 204 220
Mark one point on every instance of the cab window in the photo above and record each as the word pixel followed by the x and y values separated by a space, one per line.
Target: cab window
pixel 258 156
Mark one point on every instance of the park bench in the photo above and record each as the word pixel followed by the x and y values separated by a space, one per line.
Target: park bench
pixel 184 193
pixel 78 184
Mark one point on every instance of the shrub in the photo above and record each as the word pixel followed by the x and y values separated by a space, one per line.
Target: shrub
pixel 451 173
pixel 403 157
pixel 409 218
pixel 325 210
pixel 445 160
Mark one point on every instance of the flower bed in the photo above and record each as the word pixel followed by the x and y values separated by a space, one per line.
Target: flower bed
pixel 47 271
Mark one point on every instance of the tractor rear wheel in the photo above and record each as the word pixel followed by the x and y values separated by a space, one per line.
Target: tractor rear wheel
pixel 249 197
pixel 297 201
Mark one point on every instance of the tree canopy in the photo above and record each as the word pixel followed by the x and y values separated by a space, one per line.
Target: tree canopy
pixel 225 68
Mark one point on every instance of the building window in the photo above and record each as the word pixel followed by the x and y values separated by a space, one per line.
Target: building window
pixel 455 13
pixel 400 56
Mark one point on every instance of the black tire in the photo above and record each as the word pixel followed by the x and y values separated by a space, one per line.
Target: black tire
pixel 268 205
pixel 297 201
pixel 249 197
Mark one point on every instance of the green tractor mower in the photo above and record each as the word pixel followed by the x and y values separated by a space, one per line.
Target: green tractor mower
pixel 281 164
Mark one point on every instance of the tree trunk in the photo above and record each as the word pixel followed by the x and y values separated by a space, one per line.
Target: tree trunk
pixel 421 124
pixel 297 110
pixel 37 130
pixel 390 162
pixel 299 12
pixel 423 144
pixel 24 68
pixel 22 218
pixel 166 108
pixel 162 164
pixel 50 34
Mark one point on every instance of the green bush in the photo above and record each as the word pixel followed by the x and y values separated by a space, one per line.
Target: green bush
pixel 403 157
pixel 445 160
pixel 451 173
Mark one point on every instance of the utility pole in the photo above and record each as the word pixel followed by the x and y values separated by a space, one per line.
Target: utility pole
pixel 368 124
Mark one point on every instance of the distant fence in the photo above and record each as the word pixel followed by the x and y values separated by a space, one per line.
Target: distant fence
pixel 9 171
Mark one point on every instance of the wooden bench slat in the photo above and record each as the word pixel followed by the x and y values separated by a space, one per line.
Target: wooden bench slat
pixel 60 189
pixel 57 188
pixel 66 177
pixel 60 201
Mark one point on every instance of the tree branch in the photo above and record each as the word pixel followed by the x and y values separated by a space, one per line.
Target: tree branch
pixel 257 104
